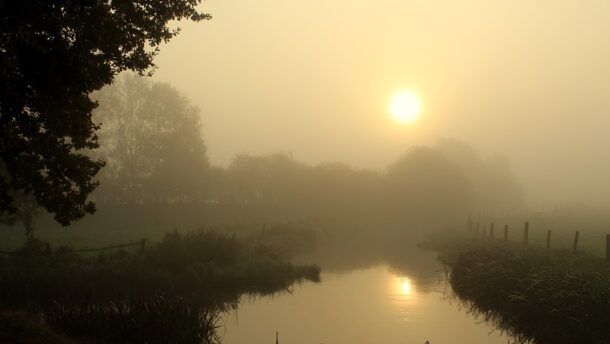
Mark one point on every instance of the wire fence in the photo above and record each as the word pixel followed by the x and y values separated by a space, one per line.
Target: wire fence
pixel 140 243
pixel 543 237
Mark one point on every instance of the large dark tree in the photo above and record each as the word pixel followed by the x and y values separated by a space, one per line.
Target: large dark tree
pixel 53 54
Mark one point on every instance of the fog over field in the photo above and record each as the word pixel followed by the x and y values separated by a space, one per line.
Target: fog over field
pixel 519 79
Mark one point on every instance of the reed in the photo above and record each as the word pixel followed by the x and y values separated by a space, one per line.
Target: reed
pixel 160 320
pixel 536 295
pixel 172 292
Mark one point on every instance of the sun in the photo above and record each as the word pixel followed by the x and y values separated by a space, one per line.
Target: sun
pixel 405 106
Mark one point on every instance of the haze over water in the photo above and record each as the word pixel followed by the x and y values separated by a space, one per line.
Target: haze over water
pixel 372 305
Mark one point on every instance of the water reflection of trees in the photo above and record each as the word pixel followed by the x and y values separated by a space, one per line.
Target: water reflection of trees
pixel 363 249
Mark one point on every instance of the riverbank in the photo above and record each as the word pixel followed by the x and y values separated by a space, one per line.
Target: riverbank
pixel 173 291
pixel 24 328
pixel 534 294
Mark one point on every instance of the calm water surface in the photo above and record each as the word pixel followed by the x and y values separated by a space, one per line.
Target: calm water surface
pixel 372 305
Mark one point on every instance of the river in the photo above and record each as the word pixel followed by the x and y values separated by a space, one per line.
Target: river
pixel 380 303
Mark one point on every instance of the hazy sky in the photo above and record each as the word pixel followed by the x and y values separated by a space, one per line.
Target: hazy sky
pixel 526 79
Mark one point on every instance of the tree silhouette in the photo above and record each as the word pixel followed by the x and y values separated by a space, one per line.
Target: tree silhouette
pixel 150 137
pixel 53 54
pixel 424 183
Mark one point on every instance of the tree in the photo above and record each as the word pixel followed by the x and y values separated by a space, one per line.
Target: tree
pixel 53 54
pixel 150 137
pixel 494 186
pixel 269 180
pixel 424 184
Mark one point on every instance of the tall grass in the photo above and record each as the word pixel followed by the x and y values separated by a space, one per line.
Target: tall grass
pixel 160 320
pixel 172 292
pixel 535 295
pixel 24 328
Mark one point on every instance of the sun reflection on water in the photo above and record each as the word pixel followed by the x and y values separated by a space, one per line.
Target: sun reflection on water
pixel 403 296
pixel 405 286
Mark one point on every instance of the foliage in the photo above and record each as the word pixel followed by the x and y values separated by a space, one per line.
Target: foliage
pixel 24 212
pixel 151 139
pixel 171 292
pixel 491 181
pixel 52 56
pixel 423 185
pixel 160 320
pixel 423 188
pixel 538 296
pixel 24 328
pixel 424 182
pixel 180 263
pixel 281 188
pixel 284 240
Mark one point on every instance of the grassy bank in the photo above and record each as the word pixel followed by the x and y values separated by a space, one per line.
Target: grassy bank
pixel 24 328
pixel 172 292
pixel 535 295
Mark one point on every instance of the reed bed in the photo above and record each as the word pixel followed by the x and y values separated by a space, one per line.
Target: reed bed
pixel 172 292
pixel 158 321
pixel 535 295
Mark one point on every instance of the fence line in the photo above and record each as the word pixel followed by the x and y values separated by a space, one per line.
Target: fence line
pixel 525 241
pixel 608 248
pixel 141 243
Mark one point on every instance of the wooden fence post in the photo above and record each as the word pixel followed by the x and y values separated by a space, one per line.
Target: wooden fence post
pixel 526 229
pixel 608 248
pixel 575 247
pixel 505 232
pixel 548 240
pixel 491 230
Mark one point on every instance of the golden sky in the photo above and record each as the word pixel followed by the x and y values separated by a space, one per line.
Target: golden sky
pixel 525 79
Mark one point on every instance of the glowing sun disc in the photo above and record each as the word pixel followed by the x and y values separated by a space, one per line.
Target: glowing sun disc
pixel 405 106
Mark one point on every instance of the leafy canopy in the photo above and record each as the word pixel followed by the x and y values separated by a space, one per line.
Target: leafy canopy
pixel 152 144
pixel 53 54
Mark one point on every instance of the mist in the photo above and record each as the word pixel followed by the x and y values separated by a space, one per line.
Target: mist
pixel 207 172
pixel 525 81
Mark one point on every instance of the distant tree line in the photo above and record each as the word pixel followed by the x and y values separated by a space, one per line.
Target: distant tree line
pixel 151 140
